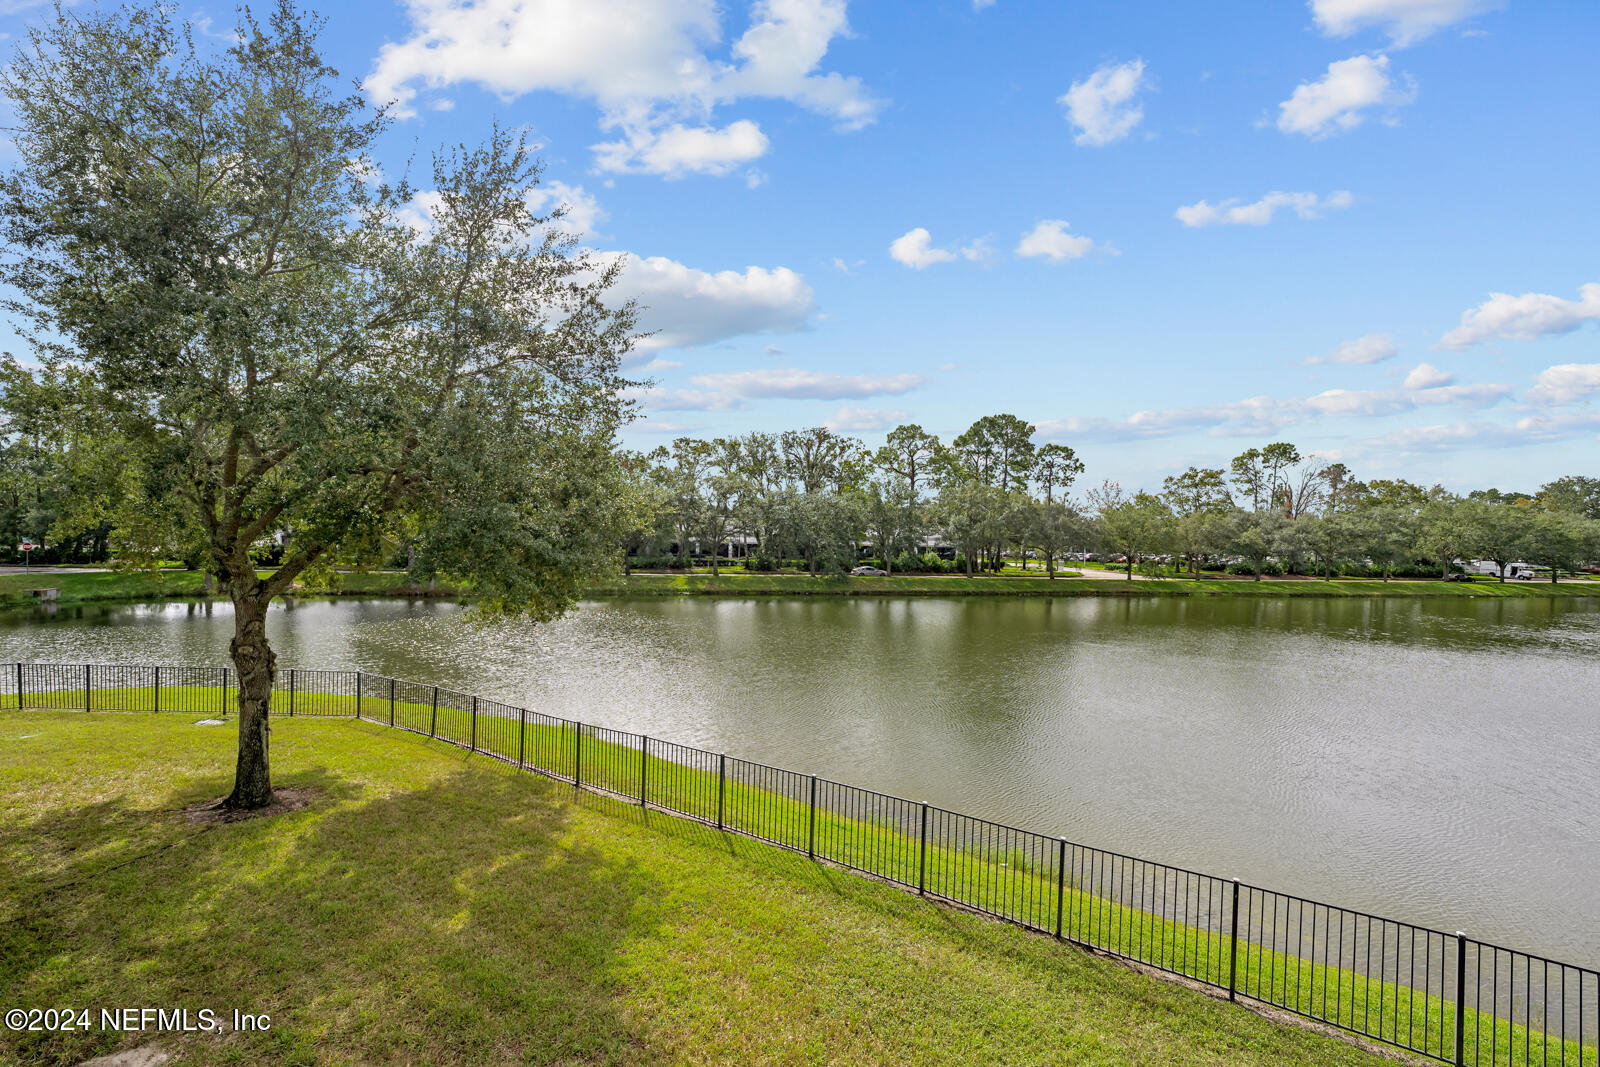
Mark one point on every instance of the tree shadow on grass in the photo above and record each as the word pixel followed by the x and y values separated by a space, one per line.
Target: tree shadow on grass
pixel 452 923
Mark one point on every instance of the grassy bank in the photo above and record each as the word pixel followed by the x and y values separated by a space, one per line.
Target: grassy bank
pixel 79 587
pixel 734 585
pixel 434 907
pixel 1009 879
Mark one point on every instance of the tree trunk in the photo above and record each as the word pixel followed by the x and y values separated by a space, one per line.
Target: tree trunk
pixel 1554 572
pixel 714 549
pixel 1130 567
pixel 255 664
pixel 1386 572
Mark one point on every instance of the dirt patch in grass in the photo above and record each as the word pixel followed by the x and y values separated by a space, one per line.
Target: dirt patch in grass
pixel 289 798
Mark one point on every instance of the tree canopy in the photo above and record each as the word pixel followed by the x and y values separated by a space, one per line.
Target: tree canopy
pixel 212 267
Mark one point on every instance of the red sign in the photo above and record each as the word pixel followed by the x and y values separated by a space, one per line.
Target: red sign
pixel 26 546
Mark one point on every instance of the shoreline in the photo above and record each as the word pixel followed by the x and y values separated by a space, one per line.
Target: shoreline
pixel 648 585
pixel 78 588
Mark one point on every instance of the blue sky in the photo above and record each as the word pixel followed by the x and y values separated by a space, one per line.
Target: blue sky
pixel 1162 232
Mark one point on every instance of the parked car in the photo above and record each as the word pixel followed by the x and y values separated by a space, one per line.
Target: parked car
pixel 868 572
pixel 1458 578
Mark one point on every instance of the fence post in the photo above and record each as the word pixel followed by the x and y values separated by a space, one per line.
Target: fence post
pixel 473 745
pixel 1461 999
pixel 811 823
pixel 158 688
pixel 1061 883
pixel 522 735
pixel 19 685
pixel 391 701
pixel 358 694
pixel 1233 937
pixel 86 687
pixel 291 692
pixel 577 756
pixel 433 721
pixel 644 767
pixel 722 784
pixel 922 855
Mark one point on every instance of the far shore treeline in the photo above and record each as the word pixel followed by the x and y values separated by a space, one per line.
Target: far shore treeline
pixel 822 502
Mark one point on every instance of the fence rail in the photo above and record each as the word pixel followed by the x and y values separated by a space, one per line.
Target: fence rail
pixel 1438 994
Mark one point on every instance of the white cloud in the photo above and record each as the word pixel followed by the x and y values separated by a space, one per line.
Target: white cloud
pixel 655 70
pixel 1525 317
pixel 1427 376
pixel 1454 436
pixel 1103 106
pixel 1557 427
pixel 676 150
pixel 648 425
pixel 1261 414
pixel 1346 402
pixel 1363 351
pixel 684 399
pixel 582 211
pixel 1265 414
pixel 1051 240
pixel 1406 21
pixel 978 251
pixel 1259 213
pixel 1340 100
pixel 796 384
pixel 1566 383
pixel 915 249
pixel 687 307
pixel 865 420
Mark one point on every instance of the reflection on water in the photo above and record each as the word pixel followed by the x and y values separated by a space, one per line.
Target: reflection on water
pixel 1435 761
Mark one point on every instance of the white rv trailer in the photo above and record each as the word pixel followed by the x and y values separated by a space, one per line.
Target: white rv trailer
pixel 1519 570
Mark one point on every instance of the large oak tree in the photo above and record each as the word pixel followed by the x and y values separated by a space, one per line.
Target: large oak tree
pixel 290 348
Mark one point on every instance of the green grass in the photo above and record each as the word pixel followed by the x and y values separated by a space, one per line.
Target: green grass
pixel 735 585
pixel 137 586
pixel 78 587
pixel 1026 892
pixel 433 907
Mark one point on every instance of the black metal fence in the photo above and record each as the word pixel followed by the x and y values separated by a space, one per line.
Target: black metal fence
pixel 1442 995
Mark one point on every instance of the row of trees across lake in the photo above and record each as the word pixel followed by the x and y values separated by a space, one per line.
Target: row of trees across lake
pixel 825 501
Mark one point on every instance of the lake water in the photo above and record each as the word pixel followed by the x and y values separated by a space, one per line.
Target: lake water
pixel 1433 761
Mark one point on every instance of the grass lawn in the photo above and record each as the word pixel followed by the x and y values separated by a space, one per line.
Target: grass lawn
pixel 79 587
pixel 435 907
pixel 134 586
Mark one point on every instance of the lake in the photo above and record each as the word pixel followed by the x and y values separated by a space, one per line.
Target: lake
pixel 1432 761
